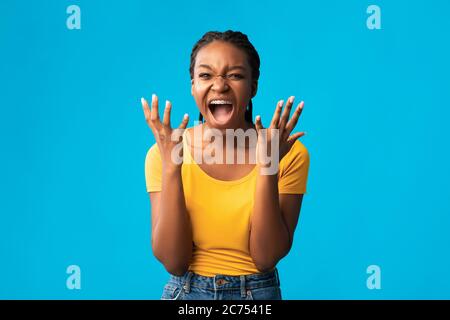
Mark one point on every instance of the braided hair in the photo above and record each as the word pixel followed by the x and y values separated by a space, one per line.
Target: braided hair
pixel 241 41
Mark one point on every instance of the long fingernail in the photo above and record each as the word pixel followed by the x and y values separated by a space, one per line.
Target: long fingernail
pixel 153 97
pixel 280 104
pixel 291 99
pixel 142 100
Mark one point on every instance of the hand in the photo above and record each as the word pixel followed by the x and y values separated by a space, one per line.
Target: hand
pixel 280 129
pixel 167 139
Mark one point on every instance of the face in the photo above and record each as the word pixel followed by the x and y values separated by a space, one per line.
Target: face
pixel 222 85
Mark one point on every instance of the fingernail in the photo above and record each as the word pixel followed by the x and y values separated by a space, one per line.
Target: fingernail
pixel 291 99
pixel 167 103
pixel 280 104
pixel 153 97
pixel 142 100
pixel 186 115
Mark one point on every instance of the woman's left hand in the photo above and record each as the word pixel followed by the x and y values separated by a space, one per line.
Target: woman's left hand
pixel 284 127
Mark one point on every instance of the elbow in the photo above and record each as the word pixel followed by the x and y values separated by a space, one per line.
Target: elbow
pixel 264 266
pixel 176 269
pixel 264 269
pixel 172 265
pixel 267 261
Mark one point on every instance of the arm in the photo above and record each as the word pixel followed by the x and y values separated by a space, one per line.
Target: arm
pixel 171 227
pixel 275 216
pixel 273 223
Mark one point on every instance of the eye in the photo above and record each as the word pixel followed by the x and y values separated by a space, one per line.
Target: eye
pixel 204 76
pixel 235 76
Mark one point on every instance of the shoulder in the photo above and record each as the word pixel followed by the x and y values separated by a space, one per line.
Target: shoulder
pixel 153 154
pixel 296 159
pixel 298 150
pixel 153 149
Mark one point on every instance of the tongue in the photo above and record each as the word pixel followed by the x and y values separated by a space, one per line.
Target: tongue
pixel 221 112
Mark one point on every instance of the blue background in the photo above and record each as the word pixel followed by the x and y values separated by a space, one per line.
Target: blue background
pixel 73 140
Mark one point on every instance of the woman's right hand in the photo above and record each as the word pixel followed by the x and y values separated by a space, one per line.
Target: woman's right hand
pixel 168 139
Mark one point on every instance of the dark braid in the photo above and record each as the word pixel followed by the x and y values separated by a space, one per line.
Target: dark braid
pixel 241 41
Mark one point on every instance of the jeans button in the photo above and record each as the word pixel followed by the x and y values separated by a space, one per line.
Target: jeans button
pixel 220 282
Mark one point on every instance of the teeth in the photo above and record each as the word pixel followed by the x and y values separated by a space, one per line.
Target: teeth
pixel 220 102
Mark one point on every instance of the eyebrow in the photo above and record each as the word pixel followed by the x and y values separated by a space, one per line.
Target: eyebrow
pixel 231 68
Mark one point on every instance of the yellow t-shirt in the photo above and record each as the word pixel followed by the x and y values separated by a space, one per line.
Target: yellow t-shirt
pixel 220 211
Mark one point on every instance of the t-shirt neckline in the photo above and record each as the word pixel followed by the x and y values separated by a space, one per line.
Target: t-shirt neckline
pixel 187 149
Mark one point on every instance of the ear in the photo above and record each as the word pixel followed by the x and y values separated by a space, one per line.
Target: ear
pixel 192 86
pixel 254 88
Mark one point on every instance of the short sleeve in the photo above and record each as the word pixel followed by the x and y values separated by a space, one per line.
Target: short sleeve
pixel 153 169
pixel 294 169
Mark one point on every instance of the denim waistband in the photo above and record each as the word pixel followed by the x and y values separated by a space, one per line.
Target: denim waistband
pixel 224 282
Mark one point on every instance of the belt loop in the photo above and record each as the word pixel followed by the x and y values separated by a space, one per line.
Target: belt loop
pixel 243 291
pixel 277 276
pixel 187 283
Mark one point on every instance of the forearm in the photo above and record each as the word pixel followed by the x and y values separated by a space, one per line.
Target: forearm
pixel 269 237
pixel 172 241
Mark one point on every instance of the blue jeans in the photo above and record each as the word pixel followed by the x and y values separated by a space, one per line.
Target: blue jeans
pixel 191 286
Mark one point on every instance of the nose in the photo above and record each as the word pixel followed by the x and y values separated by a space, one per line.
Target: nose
pixel 220 84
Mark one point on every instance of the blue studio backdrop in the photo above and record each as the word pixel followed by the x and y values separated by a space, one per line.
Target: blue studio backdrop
pixel 73 140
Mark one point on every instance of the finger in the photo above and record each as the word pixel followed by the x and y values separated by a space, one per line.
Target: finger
pixel 295 136
pixel 147 113
pixel 276 115
pixel 185 121
pixel 258 123
pixel 285 116
pixel 154 111
pixel 293 122
pixel 146 109
pixel 166 117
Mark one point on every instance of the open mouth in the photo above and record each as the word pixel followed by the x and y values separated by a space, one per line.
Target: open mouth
pixel 221 110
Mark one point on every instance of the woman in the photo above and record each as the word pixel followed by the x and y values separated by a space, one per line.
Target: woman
pixel 220 227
